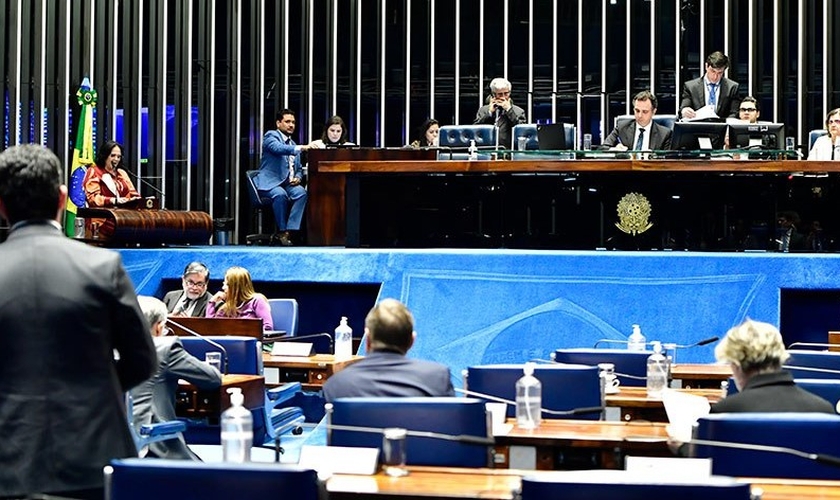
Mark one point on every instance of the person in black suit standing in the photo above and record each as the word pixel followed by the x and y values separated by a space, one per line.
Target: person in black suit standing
pixel 386 370
pixel 500 111
pixel 192 299
pixel 74 341
pixel 711 89
pixel 641 134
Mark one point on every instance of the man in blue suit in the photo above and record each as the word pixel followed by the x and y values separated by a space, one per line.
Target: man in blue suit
pixel 281 175
pixel 386 371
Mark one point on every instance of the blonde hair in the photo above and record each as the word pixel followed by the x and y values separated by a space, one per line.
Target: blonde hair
pixel 240 289
pixel 753 346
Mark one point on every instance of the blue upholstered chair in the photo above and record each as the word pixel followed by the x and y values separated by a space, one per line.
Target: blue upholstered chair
pixel 633 363
pixel 284 315
pixel 803 432
pixel 458 137
pixel 828 389
pixel 452 416
pixel 564 387
pixel 529 132
pixel 621 485
pixel 259 205
pixel 244 354
pixel 141 479
pixel 813 364
pixel 151 433
pixel 664 120
pixel 814 135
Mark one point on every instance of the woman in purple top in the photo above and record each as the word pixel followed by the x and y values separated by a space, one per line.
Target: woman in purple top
pixel 237 299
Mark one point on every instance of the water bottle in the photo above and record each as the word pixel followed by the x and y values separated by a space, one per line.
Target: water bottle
pixel 528 399
pixel 657 372
pixel 473 150
pixel 343 340
pixel 237 429
pixel 636 341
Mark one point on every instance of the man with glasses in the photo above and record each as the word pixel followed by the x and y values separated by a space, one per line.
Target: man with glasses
pixel 749 110
pixel 192 300
pixel 500 111
pixel 712 89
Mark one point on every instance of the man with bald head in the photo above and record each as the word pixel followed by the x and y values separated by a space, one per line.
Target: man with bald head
pixel 386 370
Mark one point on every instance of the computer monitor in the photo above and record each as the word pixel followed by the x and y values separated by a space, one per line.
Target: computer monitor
pixel 757 135
pixel 552 137
pixel 695 136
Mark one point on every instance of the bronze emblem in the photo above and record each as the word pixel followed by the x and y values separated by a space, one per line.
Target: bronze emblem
pixel 633 214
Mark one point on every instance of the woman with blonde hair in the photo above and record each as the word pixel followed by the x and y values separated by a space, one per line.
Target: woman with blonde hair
pixel 237 299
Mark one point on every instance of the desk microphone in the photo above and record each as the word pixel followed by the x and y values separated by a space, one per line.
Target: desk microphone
pixel 699 343
pixel 812 344
pixel 821 458
pixel 143 181
pixel 304 337
pixel 574 411
pixel 213 343
pixel 458 438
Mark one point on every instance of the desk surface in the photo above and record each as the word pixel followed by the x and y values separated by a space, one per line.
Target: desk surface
pixel 588 433
pixel 699 371
pixel 445 482
pixel 310 371
pixel 636 397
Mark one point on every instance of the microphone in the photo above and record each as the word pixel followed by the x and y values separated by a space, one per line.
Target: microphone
pixel 458 438
pixel 143 181
pixel 699 343
pixel 812 344
pixel 213 343
pixel 822 458
pixel 574 411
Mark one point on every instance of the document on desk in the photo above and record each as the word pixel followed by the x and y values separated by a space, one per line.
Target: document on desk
pixel 683 411
pixel 705 113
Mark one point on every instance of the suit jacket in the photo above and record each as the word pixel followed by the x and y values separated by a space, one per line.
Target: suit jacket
pixel 625 131
pixel 384 373
pixel 772 392
pixel 514 116
pixel 728 101
pixel 65 309
pixel 274 164
pixel 171 300
pixel 154 399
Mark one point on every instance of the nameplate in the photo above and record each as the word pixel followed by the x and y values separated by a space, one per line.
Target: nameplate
pixel 686 469
pixel 339 459
pixel 298 349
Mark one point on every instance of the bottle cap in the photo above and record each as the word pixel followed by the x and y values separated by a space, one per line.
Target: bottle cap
pixel 236 397
pixel 657 346
pixel 528 369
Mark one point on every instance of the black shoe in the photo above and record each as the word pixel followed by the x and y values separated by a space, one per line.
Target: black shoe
pixel 282 239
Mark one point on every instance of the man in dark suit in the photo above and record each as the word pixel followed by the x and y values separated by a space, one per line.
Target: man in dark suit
pixel 385 370
pixel 711 89
pixel 74 341
pixel 641 134
pixel 154 399
pixel 500 111
pixel 192 299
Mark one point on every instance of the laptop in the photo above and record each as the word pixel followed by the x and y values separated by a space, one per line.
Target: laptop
pixel 551 137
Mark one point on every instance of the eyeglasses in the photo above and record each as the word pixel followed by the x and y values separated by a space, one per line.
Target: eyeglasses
pixel 748 110
pixel 834 122
pixel 501 94
pixel 192 283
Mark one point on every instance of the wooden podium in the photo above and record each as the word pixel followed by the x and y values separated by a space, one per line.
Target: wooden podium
pixel 114 227
pixel 246 327
pixel 194 403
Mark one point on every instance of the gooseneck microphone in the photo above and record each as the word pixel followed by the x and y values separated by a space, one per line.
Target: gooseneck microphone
pixel 458 438
pixel 574 411
pixel 699 343
pixel 822 458
pixel 213 343
pixel 144 182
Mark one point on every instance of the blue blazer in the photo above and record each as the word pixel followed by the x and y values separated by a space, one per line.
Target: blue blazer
pixel 274 164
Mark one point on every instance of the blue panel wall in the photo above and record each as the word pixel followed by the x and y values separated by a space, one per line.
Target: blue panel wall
pixel 489 306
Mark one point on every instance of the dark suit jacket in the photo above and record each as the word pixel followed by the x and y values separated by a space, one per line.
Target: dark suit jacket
pixel 772 392
pixel 154 399
pixel 694 96
pixel 512 117
pixel 660 137
pixel 65 308
pixel 171 300
pixel 383 374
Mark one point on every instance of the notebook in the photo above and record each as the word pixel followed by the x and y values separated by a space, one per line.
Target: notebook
pixel 551 137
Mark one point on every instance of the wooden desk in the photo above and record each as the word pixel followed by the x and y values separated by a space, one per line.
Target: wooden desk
pixel 700 376
pixel 457 483
pixel 636 405
pixel 587 443
pixel 310 371
pixel 197 404
pixel 125 227
pixel 246 327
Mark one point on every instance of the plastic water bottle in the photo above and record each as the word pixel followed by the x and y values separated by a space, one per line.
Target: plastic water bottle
pixel 636 341
pixel 657 372
pixel 528 399
pixel 473 150
pixel 343 340
pixel 237 429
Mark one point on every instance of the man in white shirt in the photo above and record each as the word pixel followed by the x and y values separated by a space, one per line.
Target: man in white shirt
pixel 641 134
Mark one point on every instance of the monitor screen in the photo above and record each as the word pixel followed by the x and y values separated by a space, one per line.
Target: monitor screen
pixel 552 137
pixel 694 136
pixel 757 135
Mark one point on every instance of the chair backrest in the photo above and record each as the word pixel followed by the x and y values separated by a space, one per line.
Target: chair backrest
pixel 828 389
pixel 284 315
pixel 825 364
pixel 244 353
pixel 664 120
pixel 141 479
pixel 814 135
pixel 564 387
pixel 529 132
pixel 619 484
pixel 626 362
pixel 445 415
pixel 253 193
pixel 804 432
pixel 458 138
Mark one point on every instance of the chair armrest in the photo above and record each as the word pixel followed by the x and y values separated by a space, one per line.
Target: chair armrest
pixel 283 392
pixel 171 427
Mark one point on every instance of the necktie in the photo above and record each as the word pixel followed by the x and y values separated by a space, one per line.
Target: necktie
pixel 186 305
pixel 712 97
pixel 641 140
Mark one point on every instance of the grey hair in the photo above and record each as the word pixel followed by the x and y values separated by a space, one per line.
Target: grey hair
pixel 497 84
pixel 153 309
pixel 754 346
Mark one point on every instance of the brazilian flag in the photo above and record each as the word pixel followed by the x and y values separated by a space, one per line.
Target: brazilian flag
pixel 83 155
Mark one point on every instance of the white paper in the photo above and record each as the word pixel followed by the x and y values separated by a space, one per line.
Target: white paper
pixel 683 411
pixel 339 459
pixel 703 113
pixel 658 467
